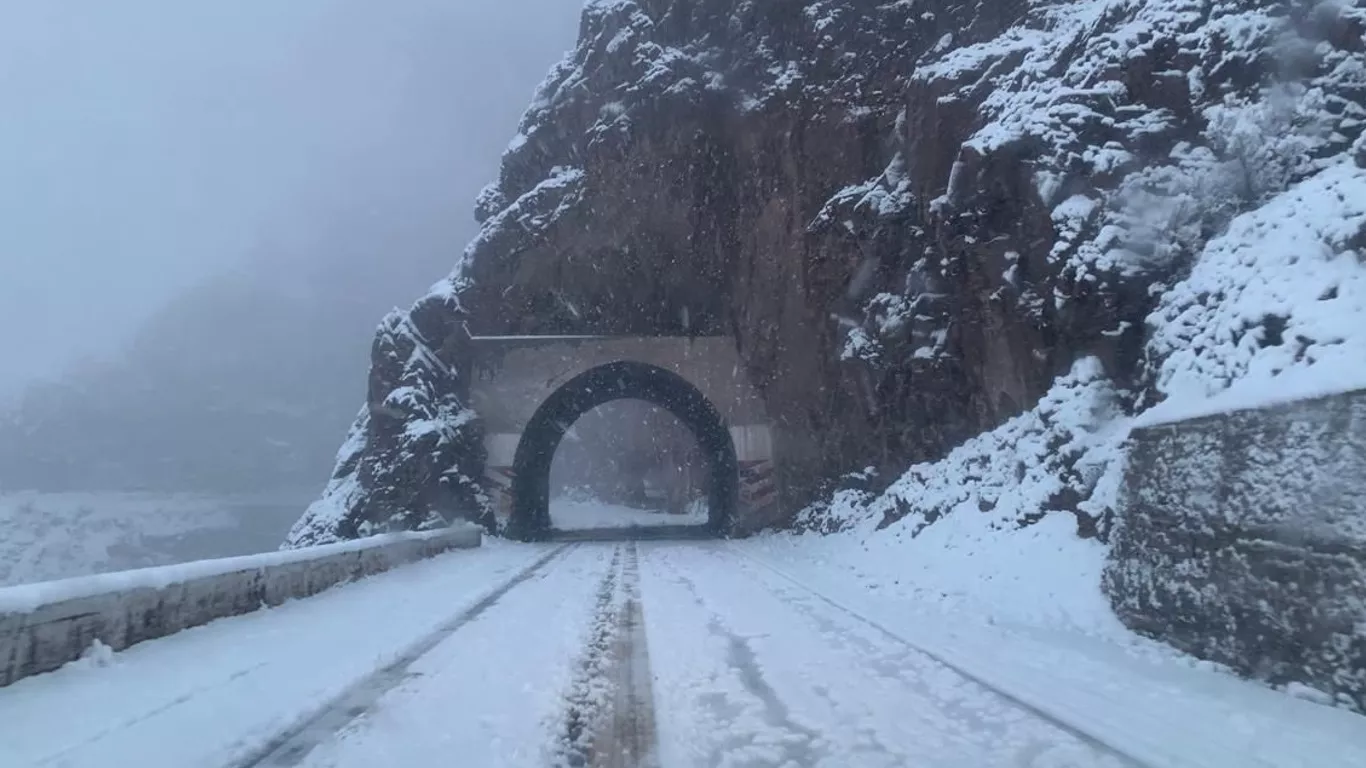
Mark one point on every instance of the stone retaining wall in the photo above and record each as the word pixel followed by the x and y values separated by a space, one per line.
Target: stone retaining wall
pixel 1242 540
pixel 43 626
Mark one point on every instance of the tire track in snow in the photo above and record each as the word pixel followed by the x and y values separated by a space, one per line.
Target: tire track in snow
pixel 632 740
pixel 909 666
pixel 609 718
pixel 61 756
pixel 785 741
pixel 1027 703
pixel 586 701
pixel 803 745
pixel 291 746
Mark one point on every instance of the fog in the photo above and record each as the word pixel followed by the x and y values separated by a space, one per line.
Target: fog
pixel 148 145
pixel 205 208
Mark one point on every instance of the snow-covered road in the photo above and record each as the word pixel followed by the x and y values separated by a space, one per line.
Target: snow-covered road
pixel 752 671
pixel 596 654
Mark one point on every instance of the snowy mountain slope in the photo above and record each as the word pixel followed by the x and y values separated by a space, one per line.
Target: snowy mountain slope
pixel 1031 227
pixel 615 209
pixel 212 395
pixel 980 243
pixel 914 216
pixel 1253 226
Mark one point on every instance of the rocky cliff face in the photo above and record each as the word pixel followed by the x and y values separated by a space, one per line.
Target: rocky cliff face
pixel 913 215
pixel 681 165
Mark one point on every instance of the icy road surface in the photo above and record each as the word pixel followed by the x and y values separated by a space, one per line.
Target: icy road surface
pixel 668 654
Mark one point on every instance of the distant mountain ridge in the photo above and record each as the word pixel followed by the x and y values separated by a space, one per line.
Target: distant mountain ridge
pixel 247 381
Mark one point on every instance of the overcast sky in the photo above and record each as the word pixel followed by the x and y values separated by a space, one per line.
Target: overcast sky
pixel 146 145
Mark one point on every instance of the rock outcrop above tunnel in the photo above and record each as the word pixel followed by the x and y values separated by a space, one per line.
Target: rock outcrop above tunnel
pixel 912 215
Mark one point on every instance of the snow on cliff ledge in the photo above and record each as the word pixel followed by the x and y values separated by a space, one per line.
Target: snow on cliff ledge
pixel 1274 309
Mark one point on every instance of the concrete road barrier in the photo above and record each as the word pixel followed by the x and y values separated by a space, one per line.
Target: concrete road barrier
pixel 46 625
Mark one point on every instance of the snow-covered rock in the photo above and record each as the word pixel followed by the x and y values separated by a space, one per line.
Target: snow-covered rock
pixel 1196 205
pixel 410 457
pixel 1048 460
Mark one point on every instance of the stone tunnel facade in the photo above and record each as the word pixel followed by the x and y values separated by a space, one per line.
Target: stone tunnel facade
pixel 511 376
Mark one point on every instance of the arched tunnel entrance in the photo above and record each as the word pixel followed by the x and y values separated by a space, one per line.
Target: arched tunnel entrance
pixel 620 380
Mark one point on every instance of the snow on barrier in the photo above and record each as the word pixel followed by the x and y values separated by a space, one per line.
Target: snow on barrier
pixel 46 625
pixel 1242 539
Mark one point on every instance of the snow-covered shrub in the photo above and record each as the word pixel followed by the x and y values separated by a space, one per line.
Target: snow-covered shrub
pixel 1267 144
pixel 858 345
pixel 1049 459
pixel 841 507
